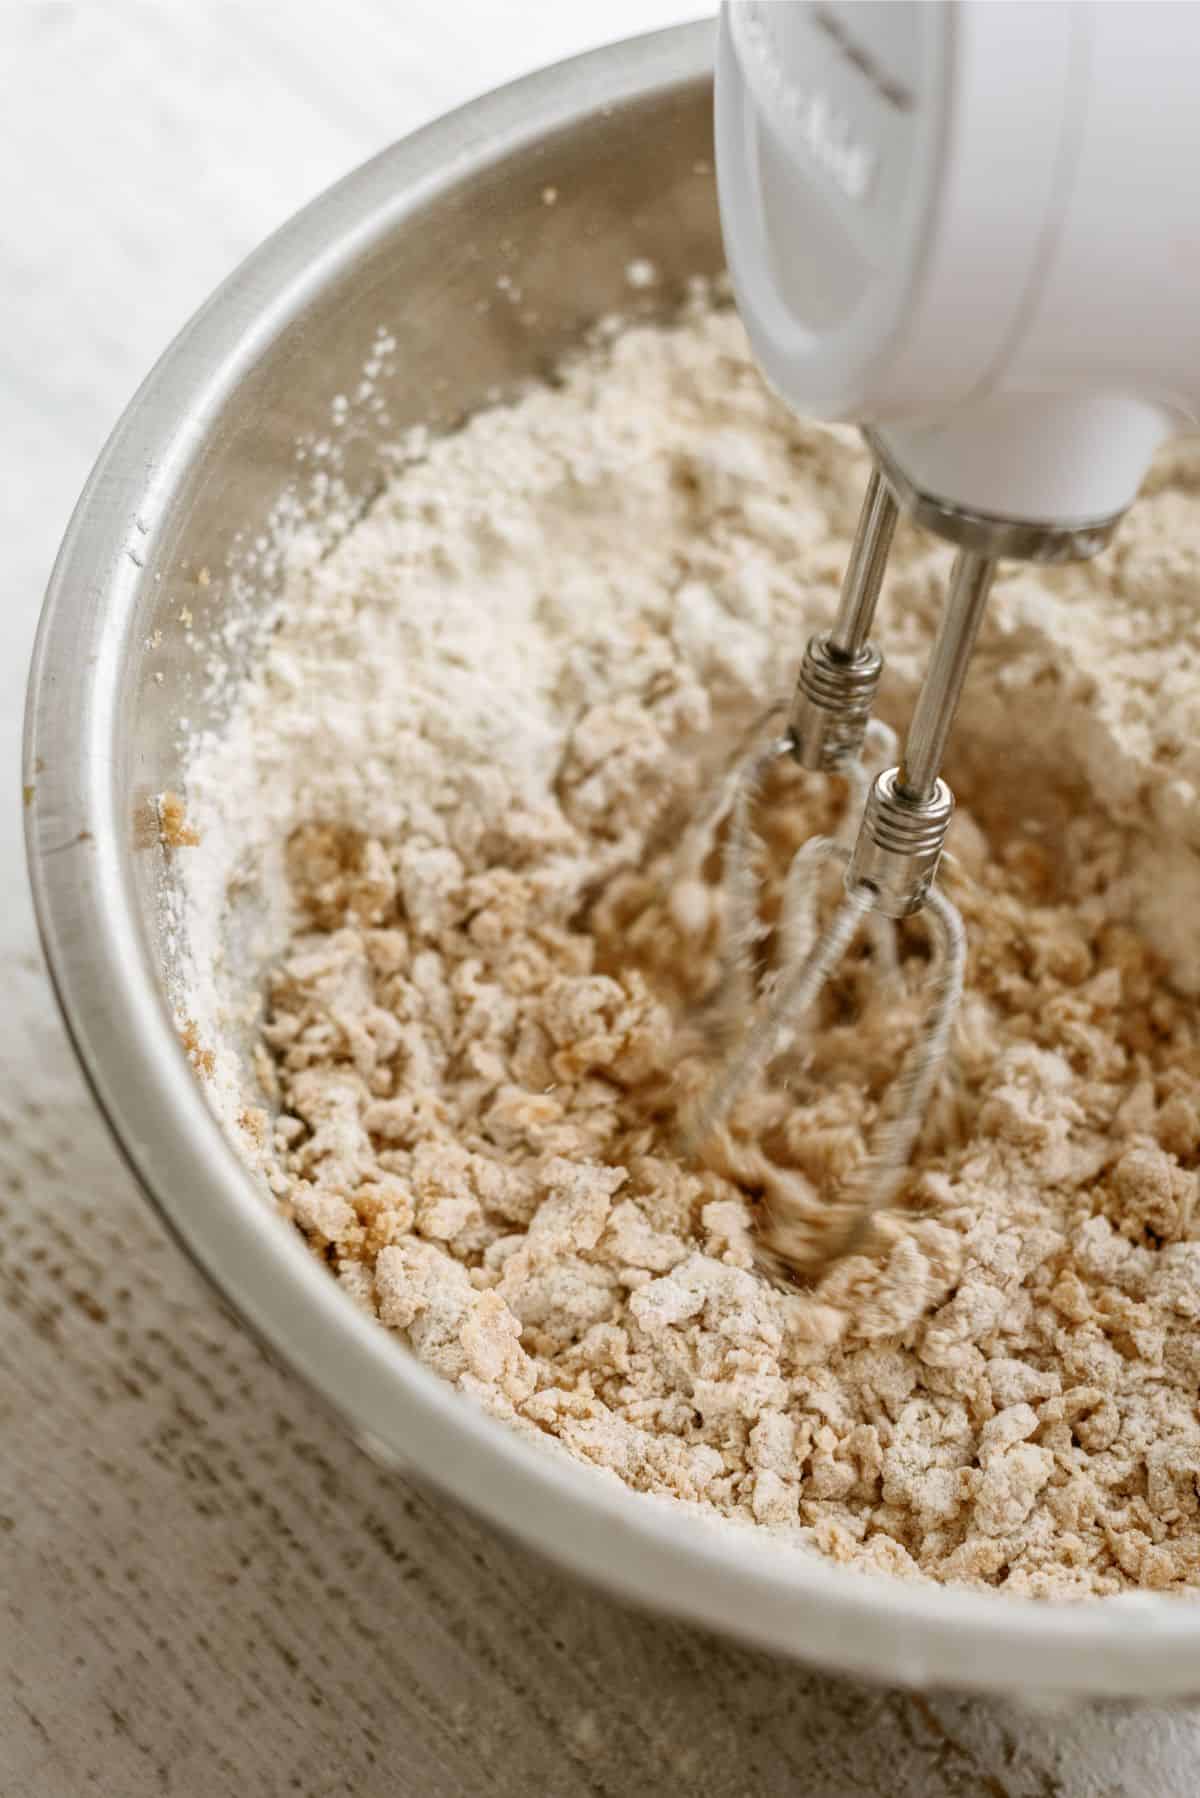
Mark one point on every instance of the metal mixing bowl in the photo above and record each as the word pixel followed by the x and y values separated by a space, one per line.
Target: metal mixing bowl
pixel 189 478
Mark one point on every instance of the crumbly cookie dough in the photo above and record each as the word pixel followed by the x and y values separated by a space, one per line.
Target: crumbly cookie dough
pixel 473 741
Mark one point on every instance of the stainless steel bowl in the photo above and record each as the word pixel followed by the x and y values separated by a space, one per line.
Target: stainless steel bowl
pixel 188 479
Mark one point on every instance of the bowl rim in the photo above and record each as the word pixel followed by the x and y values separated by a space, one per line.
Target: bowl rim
pixel 741 1581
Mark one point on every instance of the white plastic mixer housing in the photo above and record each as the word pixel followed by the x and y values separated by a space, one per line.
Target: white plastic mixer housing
pixel 974 227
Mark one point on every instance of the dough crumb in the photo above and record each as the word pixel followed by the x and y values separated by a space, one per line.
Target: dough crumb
pixel 201 1057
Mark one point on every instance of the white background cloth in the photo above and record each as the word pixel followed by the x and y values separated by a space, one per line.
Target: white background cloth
pixel 204 1589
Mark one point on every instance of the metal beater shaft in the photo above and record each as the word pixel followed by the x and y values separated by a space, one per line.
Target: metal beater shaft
pixel 839 676
pixel 865 569
pixel 925 745
pixel 909 808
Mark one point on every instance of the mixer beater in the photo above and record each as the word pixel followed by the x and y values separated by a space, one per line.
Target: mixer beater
pixel 888 851
pixel 903 815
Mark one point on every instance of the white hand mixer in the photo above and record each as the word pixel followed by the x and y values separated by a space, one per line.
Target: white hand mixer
pixel 970 227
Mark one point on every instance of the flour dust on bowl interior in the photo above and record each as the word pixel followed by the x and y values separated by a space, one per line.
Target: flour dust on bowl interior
pixel 455 270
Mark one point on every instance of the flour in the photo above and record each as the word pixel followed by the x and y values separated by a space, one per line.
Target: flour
pixel 448 806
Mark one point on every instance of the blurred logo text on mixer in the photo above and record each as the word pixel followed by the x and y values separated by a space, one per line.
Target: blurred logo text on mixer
pixel 825 129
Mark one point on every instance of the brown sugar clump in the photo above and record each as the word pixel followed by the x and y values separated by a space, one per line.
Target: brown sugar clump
pixel 174 830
